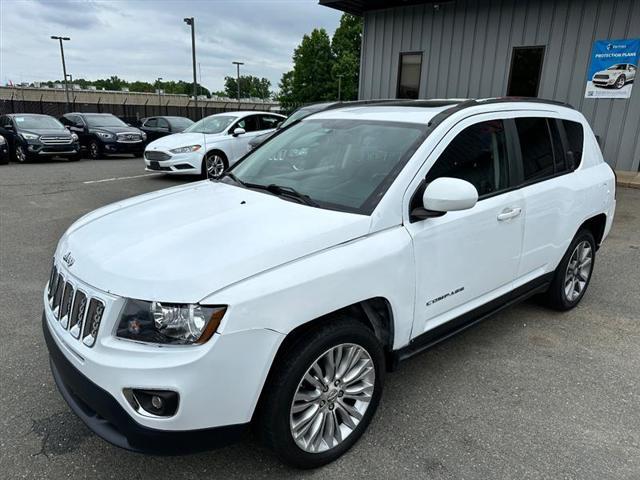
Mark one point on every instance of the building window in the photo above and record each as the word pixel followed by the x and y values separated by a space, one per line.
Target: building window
pixel 409 75
pixel 526 68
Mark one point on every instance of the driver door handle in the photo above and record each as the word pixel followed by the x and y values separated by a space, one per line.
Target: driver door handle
pixel 509 213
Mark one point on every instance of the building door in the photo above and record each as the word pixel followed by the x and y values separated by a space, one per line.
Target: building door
pixel 526 69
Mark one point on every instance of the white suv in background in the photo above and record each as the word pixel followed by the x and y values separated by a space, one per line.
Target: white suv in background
pixel 209 146
pixel 279 294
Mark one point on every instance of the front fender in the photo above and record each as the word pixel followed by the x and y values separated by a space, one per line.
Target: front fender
pixel 285 297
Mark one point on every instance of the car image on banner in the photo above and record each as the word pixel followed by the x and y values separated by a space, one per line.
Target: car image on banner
pixel 613 68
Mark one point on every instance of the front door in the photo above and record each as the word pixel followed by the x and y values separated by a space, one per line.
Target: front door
pixel 240 144
pixel 466 258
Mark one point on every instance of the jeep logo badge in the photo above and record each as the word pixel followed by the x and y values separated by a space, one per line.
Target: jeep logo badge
pixel 68 259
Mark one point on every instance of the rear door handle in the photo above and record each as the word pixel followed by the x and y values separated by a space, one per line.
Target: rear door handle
pixel 509 213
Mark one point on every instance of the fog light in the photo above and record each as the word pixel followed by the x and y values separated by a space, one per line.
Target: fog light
pixel 153 403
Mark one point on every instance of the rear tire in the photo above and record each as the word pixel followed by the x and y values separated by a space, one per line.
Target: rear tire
pixel 323 378
pixel 573 275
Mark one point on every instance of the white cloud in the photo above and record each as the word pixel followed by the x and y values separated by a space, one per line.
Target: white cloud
pixel 145 39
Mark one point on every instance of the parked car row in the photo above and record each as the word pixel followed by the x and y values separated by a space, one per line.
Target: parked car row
pixel 26 137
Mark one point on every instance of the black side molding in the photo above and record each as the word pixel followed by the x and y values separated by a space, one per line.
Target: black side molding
pixel 450 328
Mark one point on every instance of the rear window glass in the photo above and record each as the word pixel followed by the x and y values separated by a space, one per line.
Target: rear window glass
pixel 575 139
pixel 535 144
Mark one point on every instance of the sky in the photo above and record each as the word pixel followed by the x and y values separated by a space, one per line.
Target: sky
pixel 147 39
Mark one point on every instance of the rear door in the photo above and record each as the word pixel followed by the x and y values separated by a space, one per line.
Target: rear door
pixel 465 259
pixel 546 166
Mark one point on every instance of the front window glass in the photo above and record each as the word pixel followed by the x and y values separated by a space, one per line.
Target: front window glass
pixel 343 165
pixel 27 122
pixel 478 155
pixel 104 121
pixel 214 124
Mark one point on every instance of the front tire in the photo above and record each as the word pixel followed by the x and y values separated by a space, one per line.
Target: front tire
pixel 620 82
pixel 21 154
pixel 95 150
pixel 214 164
pixel 573 275
pixel 323 393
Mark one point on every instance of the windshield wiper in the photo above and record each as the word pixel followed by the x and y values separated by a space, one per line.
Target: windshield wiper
pixel 232 177
pixel 283 191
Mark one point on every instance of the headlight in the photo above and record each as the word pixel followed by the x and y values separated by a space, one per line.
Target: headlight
pixel 74 137
pixel 190 148
pixel 2 140
pixel 168 323
pixel 143 135
pixel 29 136
pixel 105 135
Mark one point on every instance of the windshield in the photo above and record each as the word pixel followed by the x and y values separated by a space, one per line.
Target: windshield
pixel 27 122
pixel 342 165
pixel 213 124
pixel 180 122
pixel 104 121
pixel 621 66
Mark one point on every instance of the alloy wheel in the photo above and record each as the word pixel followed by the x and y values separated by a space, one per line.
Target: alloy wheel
pixel 21 155
pixel 332 398
pixel 215 166
pixel 620 82
pixel 578 271
pixel 94 150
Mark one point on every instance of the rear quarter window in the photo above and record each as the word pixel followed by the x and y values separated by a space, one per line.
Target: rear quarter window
pixel 536 147
pixel 575 139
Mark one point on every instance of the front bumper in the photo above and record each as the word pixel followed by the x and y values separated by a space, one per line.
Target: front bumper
pixel 603 82
pixel 46 150
pixel 124 147
pixel 102 413
pixel 177 164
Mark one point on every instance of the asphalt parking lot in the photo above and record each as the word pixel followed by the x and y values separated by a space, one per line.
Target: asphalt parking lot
pixel 529 393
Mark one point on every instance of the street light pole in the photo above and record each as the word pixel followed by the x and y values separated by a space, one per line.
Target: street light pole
pixel 237 64
pixel 64 67
pixel 191 22
pixel 159 98
pixel 340 86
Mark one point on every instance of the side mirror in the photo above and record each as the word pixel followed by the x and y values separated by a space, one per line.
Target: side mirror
pixel 9 126
pixel 238 131
pixel 279 124
pixel 444 195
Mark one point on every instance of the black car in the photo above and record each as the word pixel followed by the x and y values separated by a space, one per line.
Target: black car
pixel 30 136
pixel 156 127
pixel 299 114
pixel 4 151
pixel 105 134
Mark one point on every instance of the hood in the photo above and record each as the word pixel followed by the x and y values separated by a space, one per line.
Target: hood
pixel 63 132
pixel 184 243
pixel 116 129
pixel 182 139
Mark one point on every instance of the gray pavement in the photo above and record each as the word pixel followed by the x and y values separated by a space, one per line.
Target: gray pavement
pixel 528 394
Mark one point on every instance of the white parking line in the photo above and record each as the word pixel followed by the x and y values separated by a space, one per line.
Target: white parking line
pixel 121 178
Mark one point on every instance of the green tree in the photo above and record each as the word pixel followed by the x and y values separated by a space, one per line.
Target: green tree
pixel 250 86
pixel 345 46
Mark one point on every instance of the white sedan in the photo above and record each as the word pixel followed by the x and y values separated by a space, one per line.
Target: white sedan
pixel 210 146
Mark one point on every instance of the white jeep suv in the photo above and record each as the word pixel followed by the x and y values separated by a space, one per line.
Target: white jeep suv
pixel 280 294
pixel 209 146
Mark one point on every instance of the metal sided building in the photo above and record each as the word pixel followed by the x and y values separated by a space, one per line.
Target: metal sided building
pixel 583 52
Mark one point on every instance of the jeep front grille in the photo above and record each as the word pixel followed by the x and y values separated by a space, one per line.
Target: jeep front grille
pixel 74 309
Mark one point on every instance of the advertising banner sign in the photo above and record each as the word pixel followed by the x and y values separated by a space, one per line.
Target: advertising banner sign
pixel 613 68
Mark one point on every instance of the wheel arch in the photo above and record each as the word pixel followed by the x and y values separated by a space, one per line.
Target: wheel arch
pixel 596 225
